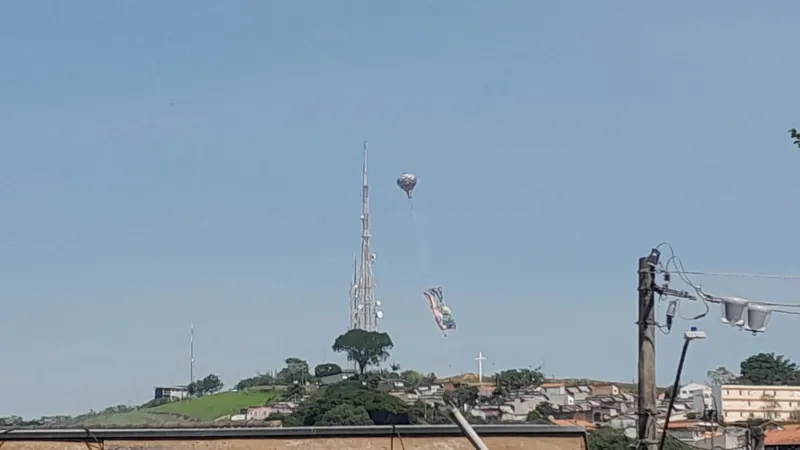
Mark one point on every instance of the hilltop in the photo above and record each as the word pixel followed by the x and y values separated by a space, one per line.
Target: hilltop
pixel 215 407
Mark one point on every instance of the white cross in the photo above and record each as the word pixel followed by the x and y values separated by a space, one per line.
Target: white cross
pixel 480 360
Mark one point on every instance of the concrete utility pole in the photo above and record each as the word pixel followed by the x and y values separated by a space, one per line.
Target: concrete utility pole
pixel 647 411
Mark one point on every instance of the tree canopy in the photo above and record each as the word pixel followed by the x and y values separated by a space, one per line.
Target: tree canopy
pixel 257 380
pixel 412 378
pixel 207 385
pixel 346 402
pixel 509 380
pixel 462 396
pixel 768 369
pixel 296 370
pixel 366 348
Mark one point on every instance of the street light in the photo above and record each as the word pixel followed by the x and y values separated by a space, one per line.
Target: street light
pixel 733 310
pixel 757 318
pixel 740 312
pixel 689 336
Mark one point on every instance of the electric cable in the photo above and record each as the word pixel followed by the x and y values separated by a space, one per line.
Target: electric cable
pixel 674 265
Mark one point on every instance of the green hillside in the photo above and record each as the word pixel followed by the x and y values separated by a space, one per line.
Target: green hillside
pixel 213 406
pixel 203 409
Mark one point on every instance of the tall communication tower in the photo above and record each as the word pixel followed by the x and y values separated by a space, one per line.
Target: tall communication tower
pixel 364 312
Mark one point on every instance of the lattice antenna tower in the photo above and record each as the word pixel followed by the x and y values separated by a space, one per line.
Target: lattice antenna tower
pixel 364 312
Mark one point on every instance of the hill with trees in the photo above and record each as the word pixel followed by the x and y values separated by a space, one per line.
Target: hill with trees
pixel 367 396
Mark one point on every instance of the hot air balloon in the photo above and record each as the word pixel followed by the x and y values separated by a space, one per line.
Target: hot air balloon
pixel 407 182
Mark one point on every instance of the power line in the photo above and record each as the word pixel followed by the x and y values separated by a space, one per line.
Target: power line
pixel 737 275
pixel 750 314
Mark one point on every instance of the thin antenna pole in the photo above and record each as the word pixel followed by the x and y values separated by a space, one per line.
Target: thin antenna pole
pixel 191 355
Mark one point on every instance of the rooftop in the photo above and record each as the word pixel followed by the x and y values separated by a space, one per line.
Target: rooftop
pixel 790 436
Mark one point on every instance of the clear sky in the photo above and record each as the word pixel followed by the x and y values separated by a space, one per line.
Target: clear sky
pixel 168 163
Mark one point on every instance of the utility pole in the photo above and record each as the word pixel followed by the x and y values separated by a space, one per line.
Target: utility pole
pixel 647 411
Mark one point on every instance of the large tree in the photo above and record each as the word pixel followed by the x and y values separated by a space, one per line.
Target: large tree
pixel 260 379
pixel 343 404
pixel 509 380
pixel 462 396
pixel 294 392
pixel 768 369
pixel 412 378
pixel 366 348
pixel 296 370
pixel 345 415
pixel 207 385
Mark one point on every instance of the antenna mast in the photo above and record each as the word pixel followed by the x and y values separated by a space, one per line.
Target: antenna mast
pixel 364 314
pixel 191 355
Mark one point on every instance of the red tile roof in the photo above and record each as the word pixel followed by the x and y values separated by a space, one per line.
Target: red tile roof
pixel 573 423
pixel 783 437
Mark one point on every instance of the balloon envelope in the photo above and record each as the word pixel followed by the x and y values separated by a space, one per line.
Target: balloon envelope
pixel 407 182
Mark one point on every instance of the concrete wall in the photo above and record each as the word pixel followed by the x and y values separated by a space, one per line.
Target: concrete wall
pixel 439 438
pixel 372 443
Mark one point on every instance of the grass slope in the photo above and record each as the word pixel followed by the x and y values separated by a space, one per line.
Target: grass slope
pixel 213 406
pixel 203 409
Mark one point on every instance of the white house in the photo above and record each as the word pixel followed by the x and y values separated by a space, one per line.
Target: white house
pixel 686 392
pixel 171 392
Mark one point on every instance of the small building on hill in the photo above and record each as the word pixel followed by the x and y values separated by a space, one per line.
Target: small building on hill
pixel 171 393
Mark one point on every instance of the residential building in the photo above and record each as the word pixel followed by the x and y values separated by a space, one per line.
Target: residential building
pixel 554 388
pixel 170 392
pixel 737 403
pixel 707 435
pixel 240 416
pixel 686 392
pixel 504 413
pixel 573 423
pixel 263 412
pixel 700 395
pixel 579 393
pixel 522 405
pixel 626 423
pixel 577 411
pixel 690 431
pixel 604 389
pixel 431 395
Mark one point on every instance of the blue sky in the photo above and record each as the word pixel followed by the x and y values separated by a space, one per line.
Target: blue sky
pixel 169 163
